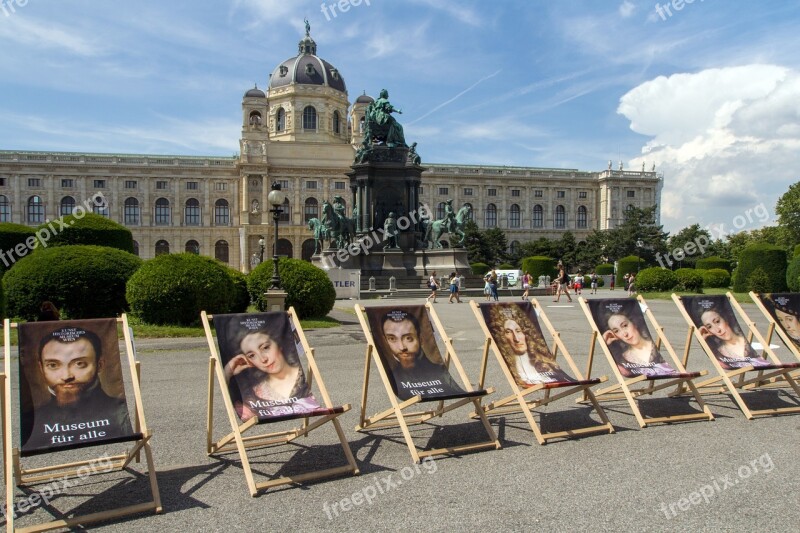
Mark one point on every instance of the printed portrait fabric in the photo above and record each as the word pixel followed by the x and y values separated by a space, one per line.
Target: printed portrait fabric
pixel 716 321
pixel 785 310
pixel 623 329
pixel 260 356
pixel 407 347
pixel 71 388
pixel 517 334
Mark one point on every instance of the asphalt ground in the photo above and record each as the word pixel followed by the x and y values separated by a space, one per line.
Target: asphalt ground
pixel 730 474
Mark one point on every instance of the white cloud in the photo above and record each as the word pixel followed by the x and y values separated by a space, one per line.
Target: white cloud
pixel 626 9
pixel 30 34
pixel 726 139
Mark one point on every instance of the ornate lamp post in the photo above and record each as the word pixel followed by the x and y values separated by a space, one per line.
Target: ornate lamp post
pixel 276 198
pixel 261 244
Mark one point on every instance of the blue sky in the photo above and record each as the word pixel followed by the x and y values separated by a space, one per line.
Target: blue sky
pixel 710 93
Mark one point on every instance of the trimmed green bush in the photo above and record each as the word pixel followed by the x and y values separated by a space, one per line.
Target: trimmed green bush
pixel 82 281
pixel 708 263
pixel 630 264
pixel 656 279
pixel 174 288
pixel 86 228
pixel 772 259
pixel 479 269
pixel 506 266
pixel 604 269
pixel 309 289
pixel 758 281
pixel 241 296
pixel 12 235
pixel 539 265
pixel 716 278
pixel 689 280
pixel 793 274
pixel 796 251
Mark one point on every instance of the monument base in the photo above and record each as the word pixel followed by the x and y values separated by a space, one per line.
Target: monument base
pixel 398 263
pixel 275 300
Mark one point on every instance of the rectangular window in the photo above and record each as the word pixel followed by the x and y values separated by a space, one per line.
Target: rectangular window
pixel 492 192
pixel 99 184
pixel 561 194
pixel 162 185
pixel 538 194
pixel 444 190
pixel 339 185
pixel 311 185
pixel 467 191
pixel 631 194
pixel 284 184
pixel 2 182
pixel 130 184
pixel 67 183
pixel 514 192
pixel 34 182
pixel 191 186
pixel 220 186
pixel 582 195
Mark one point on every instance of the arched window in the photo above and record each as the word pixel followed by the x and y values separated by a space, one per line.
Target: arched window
pixel 538 216
pixel 280 120
pixel 286 212
pixel 131 211
pixel 307 250
pixel 162 212
pixel 221 251
pixel 136 248
pixel 193 247
pixel 336 125
pixel 191 213
pixel 309 118
pixel 255 118
pixel 100 206
pixel 582 219
pixel 5 209
pixel 470 212
pixel 66 206
pixel 560 220
pixel 222 213
pixel 440 210
pixel 514 247
pixel 311 209
pixel 162 247
pixel 491 216
pixel 35 210
pixel 514 216
pixel 361 125
pixel 285 248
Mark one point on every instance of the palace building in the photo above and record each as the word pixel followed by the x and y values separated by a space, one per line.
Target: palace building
pixel 302 132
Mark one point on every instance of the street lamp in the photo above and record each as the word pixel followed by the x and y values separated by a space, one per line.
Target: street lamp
pixel 276 198
pixel 261 244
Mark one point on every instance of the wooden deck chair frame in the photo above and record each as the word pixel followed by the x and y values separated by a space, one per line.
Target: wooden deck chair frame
pixel 236 441
pixel 396 416
pixel 772 329
pixel 13 469
pixel 626 386
pixel 731 381
pixel 524 404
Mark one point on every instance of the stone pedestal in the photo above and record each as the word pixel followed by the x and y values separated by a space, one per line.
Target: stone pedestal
pixel 276 300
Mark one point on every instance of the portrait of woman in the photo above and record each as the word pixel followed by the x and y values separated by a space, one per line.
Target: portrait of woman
pixel 624 330
pixel 716 322
pixel 516 332
pixel 260 356
pixel 785 309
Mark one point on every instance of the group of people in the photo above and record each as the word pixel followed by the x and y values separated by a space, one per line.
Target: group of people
pixel 455 287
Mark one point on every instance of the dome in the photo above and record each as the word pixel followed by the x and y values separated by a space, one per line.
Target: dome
pixel 307 69
pixel 255 92
pixel 365 99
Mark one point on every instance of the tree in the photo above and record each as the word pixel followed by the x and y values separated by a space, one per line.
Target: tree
pixel 637 235
pixel 478 250
pixel 497 243
pixel 788 211
pixel 692 235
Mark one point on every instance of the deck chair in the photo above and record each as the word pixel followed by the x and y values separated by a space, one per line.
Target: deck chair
pixel 71 397
pixel 513 333
pixel 255 348
pixel 616 325
pixel 710 316
pixel 782 310
pixel 405 352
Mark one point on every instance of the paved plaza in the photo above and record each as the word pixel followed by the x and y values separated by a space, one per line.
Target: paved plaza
pixel 727 475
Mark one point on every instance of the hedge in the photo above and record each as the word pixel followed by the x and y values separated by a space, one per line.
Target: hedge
pixel 506 266
pixel 604 269
pixel 82 281
pixel 759 281
pixel 796 250
pixel 12 235
pixel 539 265
pixel 86 228
pixel 630 264
pixel 174 288
pixel 308 288
pixel 479 269
pixel 689 279
pixel 708 263
pixel 241 296
pixel 656 279
pixel 772 259
pixel 793 274
pixel 716 278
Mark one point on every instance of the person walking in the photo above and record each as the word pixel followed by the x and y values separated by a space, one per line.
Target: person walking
pixel 434 286
pixel 563 285
pixel 455 281
pixel 632 285
pixel 593 280
pixel 526 285
pixel 493 284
